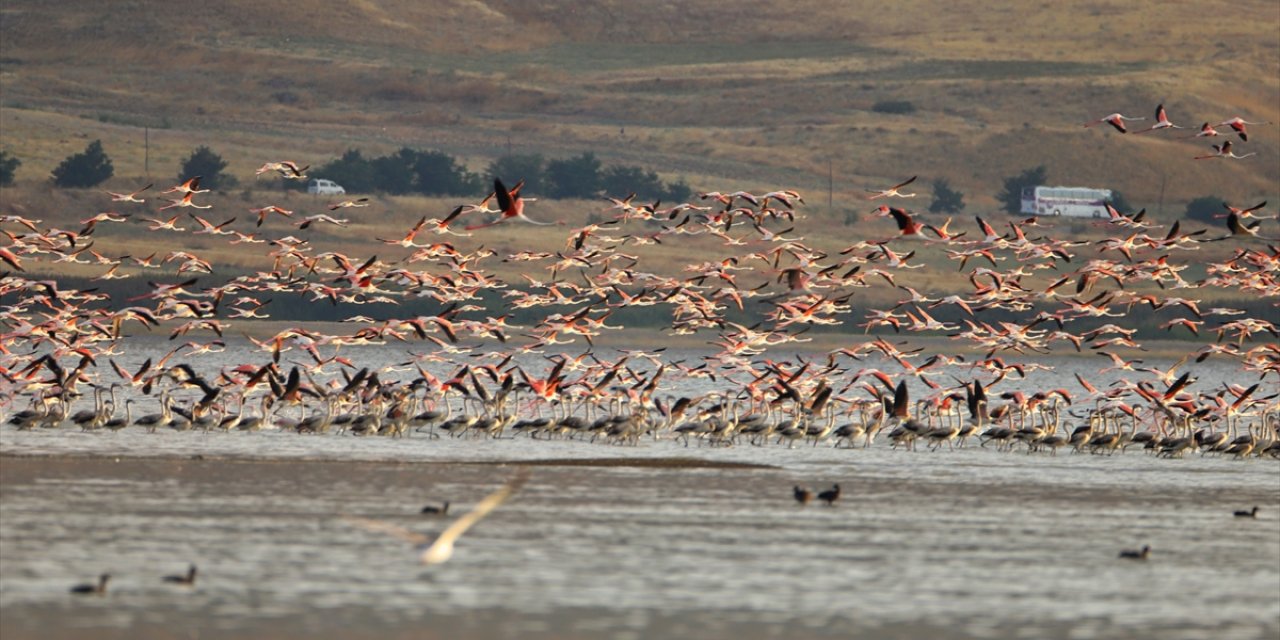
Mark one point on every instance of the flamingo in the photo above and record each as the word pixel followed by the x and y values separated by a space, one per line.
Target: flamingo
pixel 191 185
pixel 1116 120
pixel 1206 131
pixel 185 201
pixel 263 212
pixel 129 197
pixel 360 202
pixel 1237 124
pixel 510 206
pixel 1224 151
pixel 893 191
pixel 908 227
pixel 441 549
pixel 1162 121
pixel 287 168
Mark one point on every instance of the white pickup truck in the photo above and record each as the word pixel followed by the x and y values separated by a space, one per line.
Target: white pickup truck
pixel 323 187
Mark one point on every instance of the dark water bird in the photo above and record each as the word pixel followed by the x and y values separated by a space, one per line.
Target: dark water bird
pixel 802 495
pixel 188 579
pixel 433 510
pixel 440 549
pixel 1136 555
pixel 91 589
pixel 1251 513
pixel 830 495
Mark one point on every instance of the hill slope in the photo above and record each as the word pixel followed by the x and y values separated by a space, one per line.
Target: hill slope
pixel 773 94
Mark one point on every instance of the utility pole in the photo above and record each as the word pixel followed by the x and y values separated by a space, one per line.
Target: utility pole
pixel 146 151
pixel 830 185
pixel 1160 207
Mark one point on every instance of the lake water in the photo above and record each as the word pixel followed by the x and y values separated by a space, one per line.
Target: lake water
pixel 656 540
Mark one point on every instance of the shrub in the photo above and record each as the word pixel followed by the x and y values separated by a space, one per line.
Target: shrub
pixel 85 169
pixel 945 199
pixel 894 106
pixel 8 165
pixel 440 174
pixel 352 171
pixel 1204 209
pixel 1120 202
pixel 394 173
pixel 620 180
pixel 577 177
pixel 678 191
pixel 1011 197
pixel 529 167
pixel 208 165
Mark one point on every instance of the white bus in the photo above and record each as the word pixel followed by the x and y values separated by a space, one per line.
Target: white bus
pixel 1077 202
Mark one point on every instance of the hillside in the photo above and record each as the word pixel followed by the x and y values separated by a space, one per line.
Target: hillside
pixel 770 95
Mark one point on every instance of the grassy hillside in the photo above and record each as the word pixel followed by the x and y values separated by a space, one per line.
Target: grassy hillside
pixel 766 95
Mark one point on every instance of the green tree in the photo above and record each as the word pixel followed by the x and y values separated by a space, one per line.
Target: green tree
pixel 394 173
pixel 619 181
pixel 352 171
pixel 1011 197
pixel 531 167
pixel 1120 203
pixel 576 177
pixel 894 106
pixel 208 165
pixel 440 174
pixel 85 169
pixel 678 191
pixel 1204 209
pixel 945 199
pixel 8 165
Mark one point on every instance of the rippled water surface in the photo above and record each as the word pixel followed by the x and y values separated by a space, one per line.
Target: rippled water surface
pixel 656 540
pixel 971 543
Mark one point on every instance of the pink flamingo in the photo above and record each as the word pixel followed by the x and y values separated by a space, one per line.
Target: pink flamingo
pixel 1238 125
pixel 1162 121
pixel 510 206
pixel 1116 120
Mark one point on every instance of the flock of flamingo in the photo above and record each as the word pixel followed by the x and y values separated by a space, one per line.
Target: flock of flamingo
pixel 1030 292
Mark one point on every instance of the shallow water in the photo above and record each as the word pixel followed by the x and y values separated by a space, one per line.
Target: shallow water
pixel 655 540
pixel 965 543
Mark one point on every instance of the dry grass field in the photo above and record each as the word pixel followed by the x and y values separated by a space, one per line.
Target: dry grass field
pixel 765 95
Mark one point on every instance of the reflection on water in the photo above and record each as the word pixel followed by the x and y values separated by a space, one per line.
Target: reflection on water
pixel 962 543
pixel 657 540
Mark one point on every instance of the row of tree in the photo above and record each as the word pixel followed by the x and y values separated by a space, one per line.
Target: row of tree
pixel 438 174
pixel 435 173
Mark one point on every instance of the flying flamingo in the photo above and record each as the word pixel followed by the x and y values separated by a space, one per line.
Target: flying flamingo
pixel 362 202
pixel 1243 213
pixel 287 168
pixel 906 225
pixel 263 212
pixel 441 548
pixel 128 197
pixel 893 191
pixel 192 185
pixel 1224 151
pixel 185 201
pixel 1162 121
pixel 1116 120
pixel 1238 125
pixel 510 205
pixel 1206 131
